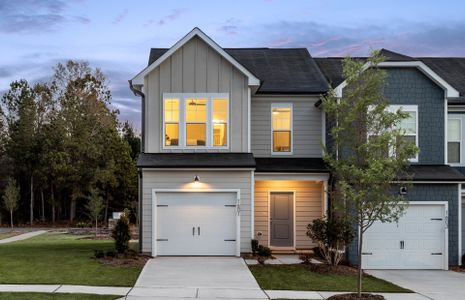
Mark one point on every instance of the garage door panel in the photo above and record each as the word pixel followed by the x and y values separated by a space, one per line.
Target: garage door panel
pixel 417 241
pixel 196 223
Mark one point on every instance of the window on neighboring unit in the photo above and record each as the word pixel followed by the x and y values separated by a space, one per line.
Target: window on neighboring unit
pixel 196 122
pixel 220 122
pixel 409 125
pixel 454 140
pixel 281 123
pixel 171 117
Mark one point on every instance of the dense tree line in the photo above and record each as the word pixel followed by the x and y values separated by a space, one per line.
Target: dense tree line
pixel 59 141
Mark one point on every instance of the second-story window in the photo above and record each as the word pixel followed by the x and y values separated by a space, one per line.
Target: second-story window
pixel 281 128
pixel 171 115
pixel 454 140
pixel 409 125
pixel 196 120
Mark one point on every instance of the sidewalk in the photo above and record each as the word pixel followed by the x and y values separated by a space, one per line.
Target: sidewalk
pixel 23 236
pixel 172 294
pixel 65 288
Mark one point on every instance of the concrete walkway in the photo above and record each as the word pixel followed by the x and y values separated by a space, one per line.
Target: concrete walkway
pixel 435 284
pixel 196 277
pixel 23 236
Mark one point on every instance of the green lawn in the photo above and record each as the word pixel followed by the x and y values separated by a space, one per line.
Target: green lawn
pixel 297 277
pixel 47 296
pixel 63 259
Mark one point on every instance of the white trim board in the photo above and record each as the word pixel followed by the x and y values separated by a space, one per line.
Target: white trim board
pixel 292 176
pixel 139 78
pixel 450 91
pixel 154 212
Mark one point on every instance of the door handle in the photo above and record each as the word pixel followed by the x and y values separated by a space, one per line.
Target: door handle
pixel 198 230
pixel 193 231
pixel 402 244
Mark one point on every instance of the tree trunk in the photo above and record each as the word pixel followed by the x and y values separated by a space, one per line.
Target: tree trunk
pixel 72 209
pixel 52 196
pixel 32 201
pixel 11 218
pixel 105 217
pixel 96 224
pixel 42 217
pixel 360 271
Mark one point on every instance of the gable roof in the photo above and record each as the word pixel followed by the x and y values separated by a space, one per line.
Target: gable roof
pixel 450 70
pixel 196 32
pixel 281 70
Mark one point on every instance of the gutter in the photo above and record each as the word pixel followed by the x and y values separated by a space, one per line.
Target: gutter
pixel 142 150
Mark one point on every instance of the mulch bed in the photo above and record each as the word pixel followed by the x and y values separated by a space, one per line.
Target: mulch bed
pixel 97 238
pixel 135 261
pixel 458 269
pixel 329 269
pixel 354 296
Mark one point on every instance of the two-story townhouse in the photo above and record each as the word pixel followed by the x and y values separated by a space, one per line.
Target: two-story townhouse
pixel 231 152
pixel 430 234
pixel 231 148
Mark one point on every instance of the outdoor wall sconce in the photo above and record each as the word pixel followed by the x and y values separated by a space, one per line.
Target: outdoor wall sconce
pixel 403 190
pixel 196 179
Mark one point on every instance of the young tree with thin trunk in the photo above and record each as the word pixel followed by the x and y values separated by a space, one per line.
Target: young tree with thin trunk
pixel 95 207
pixel 369 153
pixel 11 198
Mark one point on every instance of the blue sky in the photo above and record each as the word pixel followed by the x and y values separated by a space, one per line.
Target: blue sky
pixel 116 35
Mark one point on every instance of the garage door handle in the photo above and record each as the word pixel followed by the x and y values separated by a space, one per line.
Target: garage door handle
pixel 367 253
pixel 438 253
pixel 198 230
pixel 193 231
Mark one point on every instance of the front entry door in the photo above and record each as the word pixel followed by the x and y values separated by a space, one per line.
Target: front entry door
pixel 281 219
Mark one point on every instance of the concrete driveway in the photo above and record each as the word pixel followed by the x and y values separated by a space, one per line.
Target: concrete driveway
pixel 437 285
pixel 196 277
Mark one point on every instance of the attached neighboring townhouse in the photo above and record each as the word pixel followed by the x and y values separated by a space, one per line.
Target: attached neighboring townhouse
pixel 232 152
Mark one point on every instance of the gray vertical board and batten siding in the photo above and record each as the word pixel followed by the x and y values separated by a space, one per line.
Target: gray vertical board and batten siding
pixel 173 179
pixel 196 68
pixel 307 124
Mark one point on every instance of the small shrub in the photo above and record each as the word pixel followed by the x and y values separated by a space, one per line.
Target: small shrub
pixel 121 233
pixel 264 251
pixel 317 251
pixel 254 247
pixel 99 254
pixel 81 224
pixel 333 236
pixel 110 254
pixel 306 258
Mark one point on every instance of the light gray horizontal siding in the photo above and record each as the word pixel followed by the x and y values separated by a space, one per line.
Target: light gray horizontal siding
pixel 196 68
pixel 306 125
pixel 171 179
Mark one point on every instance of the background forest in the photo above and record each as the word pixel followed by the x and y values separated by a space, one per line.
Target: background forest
pixel 60 142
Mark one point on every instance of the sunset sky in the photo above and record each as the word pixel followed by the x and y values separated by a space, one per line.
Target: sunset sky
pixel 116 36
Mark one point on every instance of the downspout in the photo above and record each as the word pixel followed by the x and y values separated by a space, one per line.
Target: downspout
pixel 142 150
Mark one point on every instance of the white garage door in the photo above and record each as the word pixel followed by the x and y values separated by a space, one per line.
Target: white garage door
pixel 417 241
pixel 196 223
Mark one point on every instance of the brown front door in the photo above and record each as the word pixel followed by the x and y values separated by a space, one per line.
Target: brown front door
pixel 281 219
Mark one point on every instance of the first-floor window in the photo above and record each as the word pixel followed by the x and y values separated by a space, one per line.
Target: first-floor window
pixel 454 140
pixel 281 126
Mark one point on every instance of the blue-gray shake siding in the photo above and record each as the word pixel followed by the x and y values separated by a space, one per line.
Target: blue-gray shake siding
pixel 431 192
pixel 410 86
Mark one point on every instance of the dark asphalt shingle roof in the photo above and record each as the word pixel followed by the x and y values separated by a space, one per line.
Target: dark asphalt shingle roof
pixel 290 71
pixel 196 160
pixel 435 173
pixel 451 69
pixel 290 165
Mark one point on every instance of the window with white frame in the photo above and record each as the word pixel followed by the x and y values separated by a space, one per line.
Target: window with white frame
pixel 196 120
pixel 281 128
pixel 409 125
pixel 454 140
